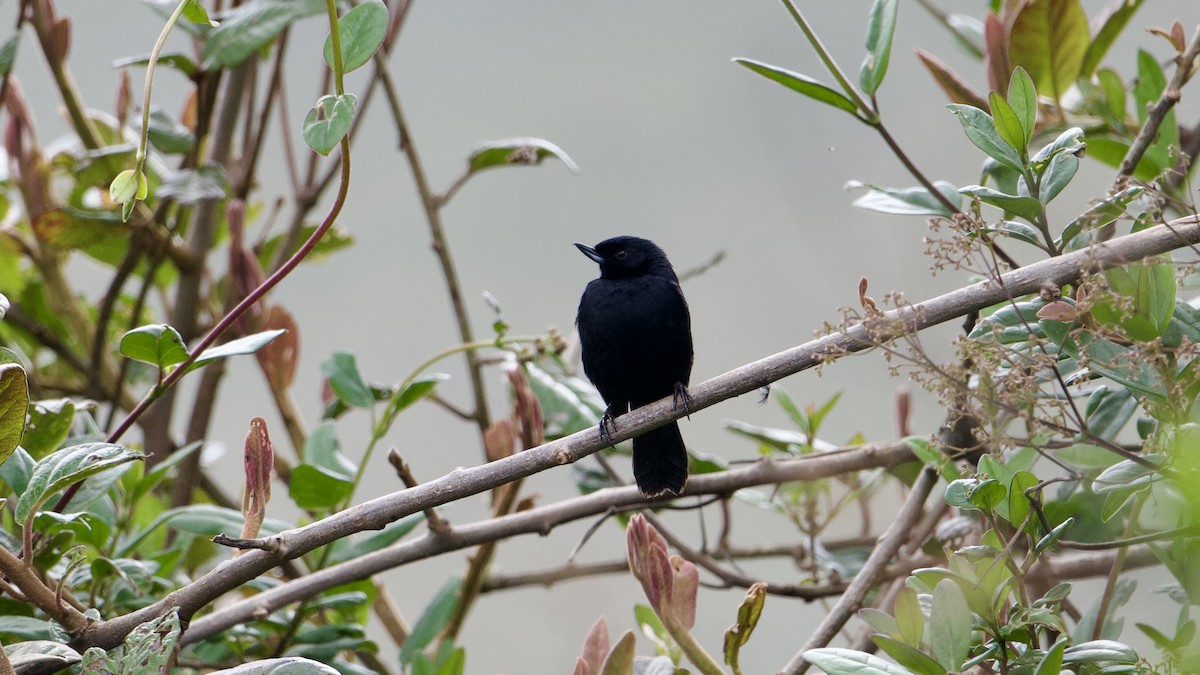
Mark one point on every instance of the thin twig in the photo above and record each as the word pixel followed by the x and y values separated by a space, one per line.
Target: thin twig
pixel 1158 111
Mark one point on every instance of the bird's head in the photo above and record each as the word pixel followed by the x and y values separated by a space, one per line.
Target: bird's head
pixel 626 256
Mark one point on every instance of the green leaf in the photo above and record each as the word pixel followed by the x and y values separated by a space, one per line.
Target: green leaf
pixel 49 423
pixel 1018 503
pixel 988 495
pixel 1008 125
pixel 1016 230
pixel 783 440
pixel 193 11
pixel 342 372
pixel 433 620
pixel 67 467
pixel 41 655
pixel 801 83
pixel 156 344
pixel 26 627
pixel 1105 212
pixel 241 346
pixel 328 122
pixel 360 33
pixel 1151 288
pixel 130 185
pixel 1060 171
pixel 1126 475
pixel 909 618
pixel 1100 651
pixel 881 28
pixel 1048 39
pixel 1010 324
pixel 14 401
pixel 1151 83
pixel 1022 98
pixel 879 620
pixel 516 151
pixel 981 130
pixel 620 658
pixel 838 661
pixel 284 665
pixel 151 646
pixel 412 392
pixel 908 656
pixel 394 531
pixel 747 618
pixel 8 53
pixel 1025 207
pixel 322 449
pixel 1111 21
pixel 1069 141
pixel 1109 410
pixel 180 62
pixel 914 201
pixel 949 625
pixel 209 520
pixel 167 135
pixel 192 186
pixel 315 488
pixel 159 472
pixel 1114 94
pixel 249 27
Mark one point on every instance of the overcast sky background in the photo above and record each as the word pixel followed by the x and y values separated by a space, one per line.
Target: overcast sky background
pixel 675 143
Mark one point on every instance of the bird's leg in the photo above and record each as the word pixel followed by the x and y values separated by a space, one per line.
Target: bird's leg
pixel 681 395
pixel 608 423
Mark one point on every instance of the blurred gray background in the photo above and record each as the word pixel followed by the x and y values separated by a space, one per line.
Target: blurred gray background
pixel 675 143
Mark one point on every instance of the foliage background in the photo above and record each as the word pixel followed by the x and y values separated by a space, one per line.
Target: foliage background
pixel 675 143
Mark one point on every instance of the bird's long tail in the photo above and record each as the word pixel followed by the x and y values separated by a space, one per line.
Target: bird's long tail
pixel 660 462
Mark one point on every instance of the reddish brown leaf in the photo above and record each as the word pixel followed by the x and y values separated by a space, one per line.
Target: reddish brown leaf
pixel 279 357
pixel 995 49
pixel 595 646
pixel 957 89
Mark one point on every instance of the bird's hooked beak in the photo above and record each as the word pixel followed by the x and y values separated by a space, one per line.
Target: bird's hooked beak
pixel 590 252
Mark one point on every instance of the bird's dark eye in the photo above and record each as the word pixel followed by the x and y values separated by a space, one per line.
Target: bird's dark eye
pixel 621 254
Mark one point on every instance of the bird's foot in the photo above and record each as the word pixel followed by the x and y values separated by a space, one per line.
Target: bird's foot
pixel 681 395
pixel 608 424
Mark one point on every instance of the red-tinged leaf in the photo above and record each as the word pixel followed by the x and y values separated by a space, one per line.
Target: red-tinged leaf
pixel 957 89
pixel 1059 310
pixel 595 647
pixel 995 43
pixel 1177 38
pixel 1049 38
pixel 685 583
pixel 278 358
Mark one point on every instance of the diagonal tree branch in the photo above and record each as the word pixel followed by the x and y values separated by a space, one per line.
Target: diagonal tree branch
pixel 460 483
pixel 1158 111
pixel 543 519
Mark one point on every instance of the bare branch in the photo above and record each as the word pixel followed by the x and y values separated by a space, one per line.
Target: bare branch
pixel 377 513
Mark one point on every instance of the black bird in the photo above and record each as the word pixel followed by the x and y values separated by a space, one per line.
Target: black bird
pixel 636 334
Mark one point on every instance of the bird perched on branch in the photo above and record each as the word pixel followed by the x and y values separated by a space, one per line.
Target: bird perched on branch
pixel 636 334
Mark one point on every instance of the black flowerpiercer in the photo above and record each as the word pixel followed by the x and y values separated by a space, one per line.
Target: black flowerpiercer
pixel 636 334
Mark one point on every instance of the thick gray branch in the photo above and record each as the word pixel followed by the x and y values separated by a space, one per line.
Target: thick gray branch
pixel 377 513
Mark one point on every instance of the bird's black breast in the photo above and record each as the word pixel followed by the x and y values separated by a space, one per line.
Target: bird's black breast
pixel 636 338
